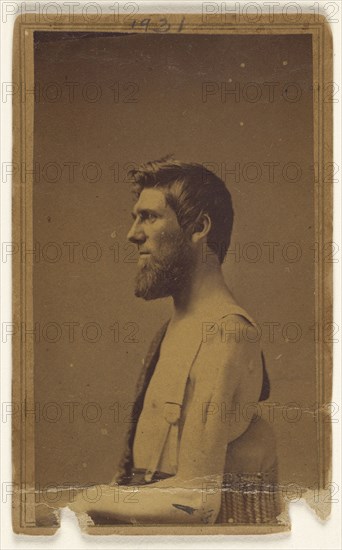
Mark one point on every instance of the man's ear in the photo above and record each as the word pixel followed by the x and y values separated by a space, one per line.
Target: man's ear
pixel 201 228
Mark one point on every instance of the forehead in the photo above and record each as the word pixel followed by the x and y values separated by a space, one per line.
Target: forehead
pixel 151 199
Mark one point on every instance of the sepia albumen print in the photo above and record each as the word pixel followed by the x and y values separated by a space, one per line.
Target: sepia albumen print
pixel 172 216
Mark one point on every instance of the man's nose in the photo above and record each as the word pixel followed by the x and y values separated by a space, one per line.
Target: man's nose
pixel 136 234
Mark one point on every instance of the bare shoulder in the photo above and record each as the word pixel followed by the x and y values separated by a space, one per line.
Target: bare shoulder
pixel 231 335
pixel 230 352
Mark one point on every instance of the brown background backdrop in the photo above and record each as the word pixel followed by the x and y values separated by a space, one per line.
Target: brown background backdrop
pixel 160 110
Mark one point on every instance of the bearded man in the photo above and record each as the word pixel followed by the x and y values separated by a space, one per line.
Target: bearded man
pixel 190 462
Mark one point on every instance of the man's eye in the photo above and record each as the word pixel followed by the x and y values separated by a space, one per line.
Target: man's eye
pixel 149 216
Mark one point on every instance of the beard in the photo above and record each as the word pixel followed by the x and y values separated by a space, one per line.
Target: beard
pixel 168 272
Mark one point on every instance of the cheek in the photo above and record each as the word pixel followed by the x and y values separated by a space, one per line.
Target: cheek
pixel 165 237
pixel 162 238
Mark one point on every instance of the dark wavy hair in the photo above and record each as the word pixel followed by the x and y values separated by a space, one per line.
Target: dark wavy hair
pixel 191 190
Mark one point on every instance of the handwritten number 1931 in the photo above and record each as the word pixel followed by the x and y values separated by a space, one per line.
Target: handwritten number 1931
pixel 162 25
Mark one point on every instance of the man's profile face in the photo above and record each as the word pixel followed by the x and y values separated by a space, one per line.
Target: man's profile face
pixel 166 257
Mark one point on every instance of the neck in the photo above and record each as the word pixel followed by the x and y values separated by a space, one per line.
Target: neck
pixel 205 286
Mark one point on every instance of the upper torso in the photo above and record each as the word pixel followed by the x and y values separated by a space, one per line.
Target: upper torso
pixel 185 371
